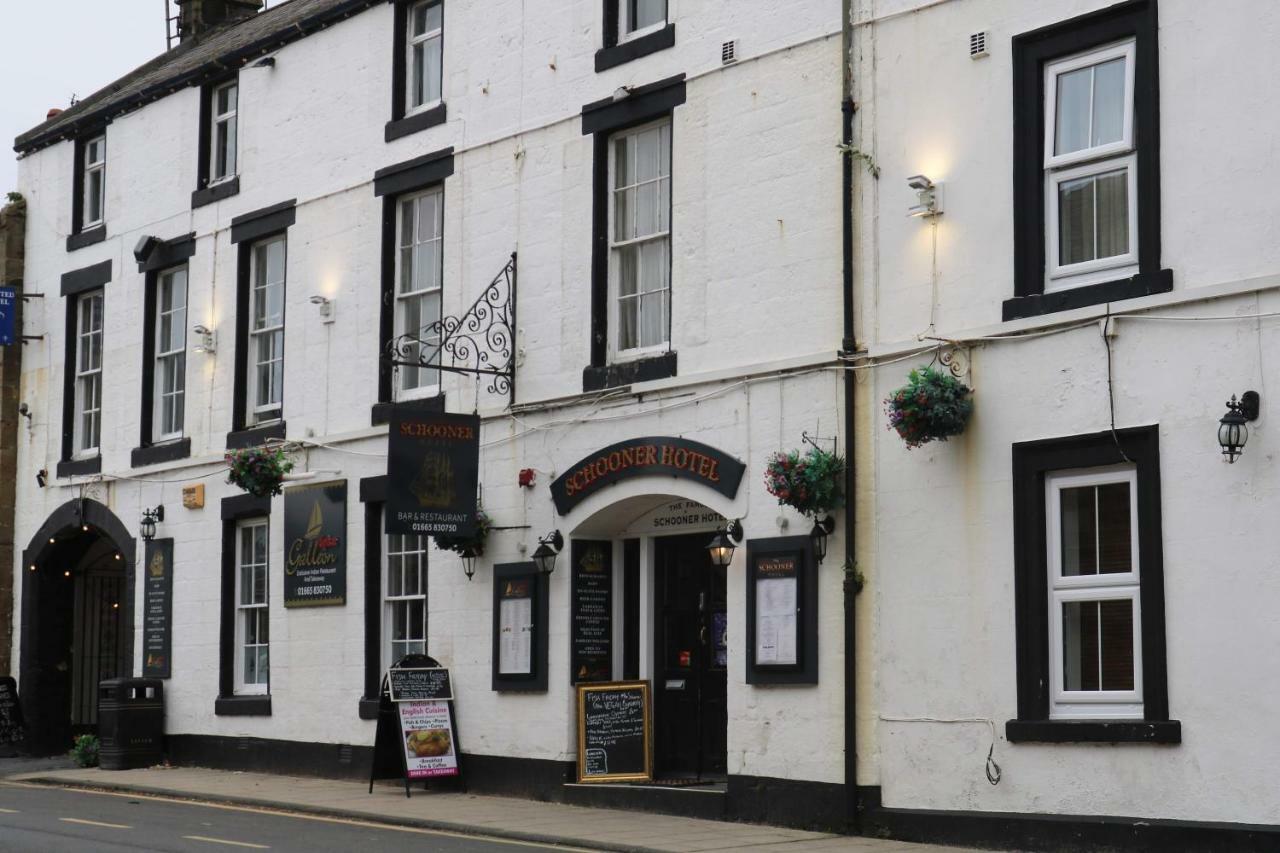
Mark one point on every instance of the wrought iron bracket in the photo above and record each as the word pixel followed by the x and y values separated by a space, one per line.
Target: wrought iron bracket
pixel 479 342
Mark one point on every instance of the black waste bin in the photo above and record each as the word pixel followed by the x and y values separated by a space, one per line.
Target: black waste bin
pixel 130 723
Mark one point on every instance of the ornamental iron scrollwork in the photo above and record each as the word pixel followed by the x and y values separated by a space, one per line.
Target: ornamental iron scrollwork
pixel 480 342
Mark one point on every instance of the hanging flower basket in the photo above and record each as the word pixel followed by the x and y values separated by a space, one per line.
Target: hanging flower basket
pixel 467 546
pixel 811 481
pixel 932 406
pixel 258 470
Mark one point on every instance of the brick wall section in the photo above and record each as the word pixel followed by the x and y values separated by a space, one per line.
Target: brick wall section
pixel 13 222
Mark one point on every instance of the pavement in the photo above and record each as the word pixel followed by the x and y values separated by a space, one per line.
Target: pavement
pixel 468 814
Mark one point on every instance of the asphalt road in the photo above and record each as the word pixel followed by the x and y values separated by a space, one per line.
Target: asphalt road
pixel 52 820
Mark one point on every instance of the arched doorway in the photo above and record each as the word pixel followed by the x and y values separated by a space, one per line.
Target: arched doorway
pixel 77 621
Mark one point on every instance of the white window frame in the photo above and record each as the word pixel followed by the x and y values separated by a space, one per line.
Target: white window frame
pixel 231 118
pixel 626 33
pixel 616 352
pixel 1126 586
pixel 390 602
pixel 93 218
pixel 265 411
pixel 412 41
pixel 399 300
pixel 178 318
pixel 1095 160
pixel 86 443
pixel 243 528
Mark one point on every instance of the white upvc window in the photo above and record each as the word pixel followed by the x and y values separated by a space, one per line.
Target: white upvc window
pixel 1095 617
pixel 266 330
pixel 405 597
pixel 426 55
pixel 88 385
pixel 171 353
pixel 640 239
pixel 223 139
pixel 253 667
pixel 1090 168
pixel 95 181
pixel 420 225
pixel 640 17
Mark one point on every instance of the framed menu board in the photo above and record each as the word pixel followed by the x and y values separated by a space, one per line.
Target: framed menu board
pixel 519 627
pixel 615 732
pixel 782 611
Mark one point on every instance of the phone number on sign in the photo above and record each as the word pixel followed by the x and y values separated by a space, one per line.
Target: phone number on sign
pixel 424 527
pixel 321 589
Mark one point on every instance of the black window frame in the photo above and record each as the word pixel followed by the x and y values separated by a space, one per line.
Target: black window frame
pixel 204 193
pixel 1031 52
pixel 75 284
pixel 602 120
pixel 229 703
pixel 617 51
pixel 160 257
pixel 1032 462
pixel 79 238
pixel 402 124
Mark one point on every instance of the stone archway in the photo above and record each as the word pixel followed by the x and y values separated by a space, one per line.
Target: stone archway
pixel 77 620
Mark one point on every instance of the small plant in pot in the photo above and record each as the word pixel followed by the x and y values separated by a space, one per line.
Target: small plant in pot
pixel 810 481
pixel 84 750
pixel 932 406
pixel 258 470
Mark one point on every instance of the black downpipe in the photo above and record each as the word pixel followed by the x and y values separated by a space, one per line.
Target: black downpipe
pixel 852 797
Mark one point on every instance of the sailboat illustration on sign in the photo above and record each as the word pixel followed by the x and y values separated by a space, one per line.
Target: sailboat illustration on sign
pixel 314 523
pixel 434 486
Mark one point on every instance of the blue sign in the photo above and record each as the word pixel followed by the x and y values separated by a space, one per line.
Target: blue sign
pixel 8 316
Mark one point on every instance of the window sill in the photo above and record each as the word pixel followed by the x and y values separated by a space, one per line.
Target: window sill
pixel 72 467
pixel 382 411
pixel 619 54
pixel 598 378
pixel 216 192
pixel 154 454
pixel 1093 731
pixel 413 124
pixel 243 706
pixel 369 709
pixel 252 437
pixel 1037 304
pixel 94 235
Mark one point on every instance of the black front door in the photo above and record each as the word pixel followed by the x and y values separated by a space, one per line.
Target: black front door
pixel 691 713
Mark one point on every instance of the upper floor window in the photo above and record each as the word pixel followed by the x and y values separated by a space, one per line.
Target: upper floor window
pixel 88 377
pixel 405 597
pixel 418 277
pixel 170 353
pixel 222 138
pixel 639 17
pixel 265 384
pixel 425 46
pixel 95 181
pixel 253 667
pixel 640 239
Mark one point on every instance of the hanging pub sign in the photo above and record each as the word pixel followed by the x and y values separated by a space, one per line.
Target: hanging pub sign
pixel 315 527
pixel 157 609
pixel 638 457
pixel 591 619
pixel 433 459
pixel 11 734
pixel 615 741
pixel 8 316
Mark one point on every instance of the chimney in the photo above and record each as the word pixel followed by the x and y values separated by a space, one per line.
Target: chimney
pixel 196 17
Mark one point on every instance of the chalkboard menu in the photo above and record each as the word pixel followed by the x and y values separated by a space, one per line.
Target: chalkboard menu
pixel 315 535
pixel 591 653
pixel 157 609
pixel 419 685
pixel 11 734
pixel 614 732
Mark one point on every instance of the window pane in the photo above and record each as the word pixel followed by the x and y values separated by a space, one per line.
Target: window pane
pixel 411 575
pixel 627 331
pixel 1071 129
pixel 435 14
pixel 653 266
pixel 429 216
pixel 230 168
pixel 94 207
pixel 646 209
pixel 395 584
pixel 1112 200
pixel 1097 639
pixel 264 665
pixel 1075 221
pixel 622 163
pixel 645 13
pixel 1108 102
pixel 417 628
pixel 251 665
pixel 417 87
pixel 624 215
pixel 1079 535
pixel 1115 549
pixel 260 543
pixel 431 72
pixel 628 270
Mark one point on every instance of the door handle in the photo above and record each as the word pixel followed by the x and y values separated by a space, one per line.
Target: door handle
pixel 702 635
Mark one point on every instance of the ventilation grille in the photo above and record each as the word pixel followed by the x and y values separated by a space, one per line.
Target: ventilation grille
pixel 729 52
pixel 978 45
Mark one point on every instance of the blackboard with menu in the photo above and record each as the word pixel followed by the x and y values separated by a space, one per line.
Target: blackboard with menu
pixel 591 622
pixel 615 742
pixel 11 735
pixel 157 616
pixel 427 684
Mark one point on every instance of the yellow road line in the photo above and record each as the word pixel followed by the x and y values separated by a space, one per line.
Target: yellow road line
pixel 94 823
pixel 225 841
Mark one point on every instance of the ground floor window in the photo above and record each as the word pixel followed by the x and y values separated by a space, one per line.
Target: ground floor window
pixel 253 667
pixel 405 597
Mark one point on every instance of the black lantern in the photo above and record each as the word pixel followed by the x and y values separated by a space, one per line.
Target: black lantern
pixel 469 555
pixel 1232 431
pixel 822 528
pixel 548 548
pixel 149 519
pixel 723 544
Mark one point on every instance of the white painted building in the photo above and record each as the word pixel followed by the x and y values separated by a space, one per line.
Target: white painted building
pixel 227 240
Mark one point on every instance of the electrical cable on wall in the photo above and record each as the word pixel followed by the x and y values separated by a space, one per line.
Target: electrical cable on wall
pixel 992 769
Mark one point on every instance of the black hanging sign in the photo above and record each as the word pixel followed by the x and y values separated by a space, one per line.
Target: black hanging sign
pixel 157 610
pixel 11 734
pixel 427 684
pixel 591 618
pixel 433 459
pixel 315 536
pixel 416 738
pixel 615 741
pixel 637 457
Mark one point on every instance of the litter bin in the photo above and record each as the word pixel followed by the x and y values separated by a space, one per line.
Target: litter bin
pixel 130 723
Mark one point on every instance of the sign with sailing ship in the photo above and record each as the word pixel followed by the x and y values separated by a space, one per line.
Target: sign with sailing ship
pixel 433 459
pixel 315 529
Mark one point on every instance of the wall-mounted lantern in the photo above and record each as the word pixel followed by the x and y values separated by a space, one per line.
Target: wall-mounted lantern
pixel 724 543
pixel 149 519
pixel 549 547
pixel 822 528
pixel 1232 432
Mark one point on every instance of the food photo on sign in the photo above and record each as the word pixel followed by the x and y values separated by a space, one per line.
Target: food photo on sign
pixel 428 739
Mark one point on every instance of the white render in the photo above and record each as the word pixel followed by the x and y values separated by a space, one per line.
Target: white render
pixel 756 286
pixel 938 544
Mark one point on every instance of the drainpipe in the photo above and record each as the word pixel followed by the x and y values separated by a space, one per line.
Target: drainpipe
pixel 853 811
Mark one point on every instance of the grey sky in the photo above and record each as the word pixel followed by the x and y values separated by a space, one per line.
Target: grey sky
pixel 54 48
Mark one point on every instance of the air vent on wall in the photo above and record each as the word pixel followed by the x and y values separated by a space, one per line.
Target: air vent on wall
pixel 978 45
pixel 729 52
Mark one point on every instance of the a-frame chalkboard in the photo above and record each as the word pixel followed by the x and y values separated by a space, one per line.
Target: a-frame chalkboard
pixel 391 742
